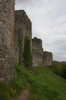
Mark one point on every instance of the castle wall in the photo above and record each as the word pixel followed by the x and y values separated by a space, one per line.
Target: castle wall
pixel 7 67
pixel 37 52
pixel 47 58
pixel 12 45
pixel 16 44
pixel 23 25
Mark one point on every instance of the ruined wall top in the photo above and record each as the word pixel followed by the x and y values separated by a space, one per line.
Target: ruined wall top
pixel 22 18
pixel 47 58
pixel 47 53
pixel 37 43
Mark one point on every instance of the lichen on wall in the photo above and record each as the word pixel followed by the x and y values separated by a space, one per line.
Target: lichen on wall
pixel 7 67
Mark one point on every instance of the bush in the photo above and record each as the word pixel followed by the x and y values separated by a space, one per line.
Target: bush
pixel 27 55
pixel 18 82
pixel 64 70
pixel 57 68
pixel 5 93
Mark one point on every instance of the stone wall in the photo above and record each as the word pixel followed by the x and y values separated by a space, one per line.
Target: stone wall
pixel 7 67
pixel 24 28
pixel 12 45
pixel 16 44
pixel 47 58
pixel 37 52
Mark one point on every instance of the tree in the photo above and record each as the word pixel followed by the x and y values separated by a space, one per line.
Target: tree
pixel 27 55
pixel 64 70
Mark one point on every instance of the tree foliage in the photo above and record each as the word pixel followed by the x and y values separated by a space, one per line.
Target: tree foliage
pixel 64 70
pixel 27 55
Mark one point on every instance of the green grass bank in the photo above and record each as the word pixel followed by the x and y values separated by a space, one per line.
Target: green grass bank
pixel 44 84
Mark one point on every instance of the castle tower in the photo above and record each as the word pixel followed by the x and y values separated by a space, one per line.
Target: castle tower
pixel 7 67
pixel 23 28
pixel 47 58
pixel 37 52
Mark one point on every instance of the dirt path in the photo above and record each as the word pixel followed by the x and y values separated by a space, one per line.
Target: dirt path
pixel 24 95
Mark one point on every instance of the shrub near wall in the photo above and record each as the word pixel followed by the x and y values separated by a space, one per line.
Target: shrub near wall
pixel 57 68
pixel 64 70
pixel 27 55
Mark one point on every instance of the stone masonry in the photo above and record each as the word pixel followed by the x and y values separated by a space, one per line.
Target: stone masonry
pixel 16 44
pixel 7 67
pixel 47 58
pixel 37 52
pixel 12 43
pixel 24 28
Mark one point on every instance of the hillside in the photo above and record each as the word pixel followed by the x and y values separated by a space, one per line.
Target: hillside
pixel 42 84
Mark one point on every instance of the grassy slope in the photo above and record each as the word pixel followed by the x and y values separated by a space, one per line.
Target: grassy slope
pixel 54 83
pixel 44 84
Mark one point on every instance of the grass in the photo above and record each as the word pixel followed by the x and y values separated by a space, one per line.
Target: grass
pixel 51 86
pixel 44 84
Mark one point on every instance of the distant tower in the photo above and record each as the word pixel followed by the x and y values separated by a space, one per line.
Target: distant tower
pixel 47 58
pixel 7 67
pixel 37 52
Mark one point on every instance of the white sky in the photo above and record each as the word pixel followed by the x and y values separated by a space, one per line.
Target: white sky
pixel 48 19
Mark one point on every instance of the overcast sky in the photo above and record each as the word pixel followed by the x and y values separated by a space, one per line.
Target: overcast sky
pixel 48 19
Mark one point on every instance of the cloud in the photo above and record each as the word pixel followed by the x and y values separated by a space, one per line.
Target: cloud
pixel 48 19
